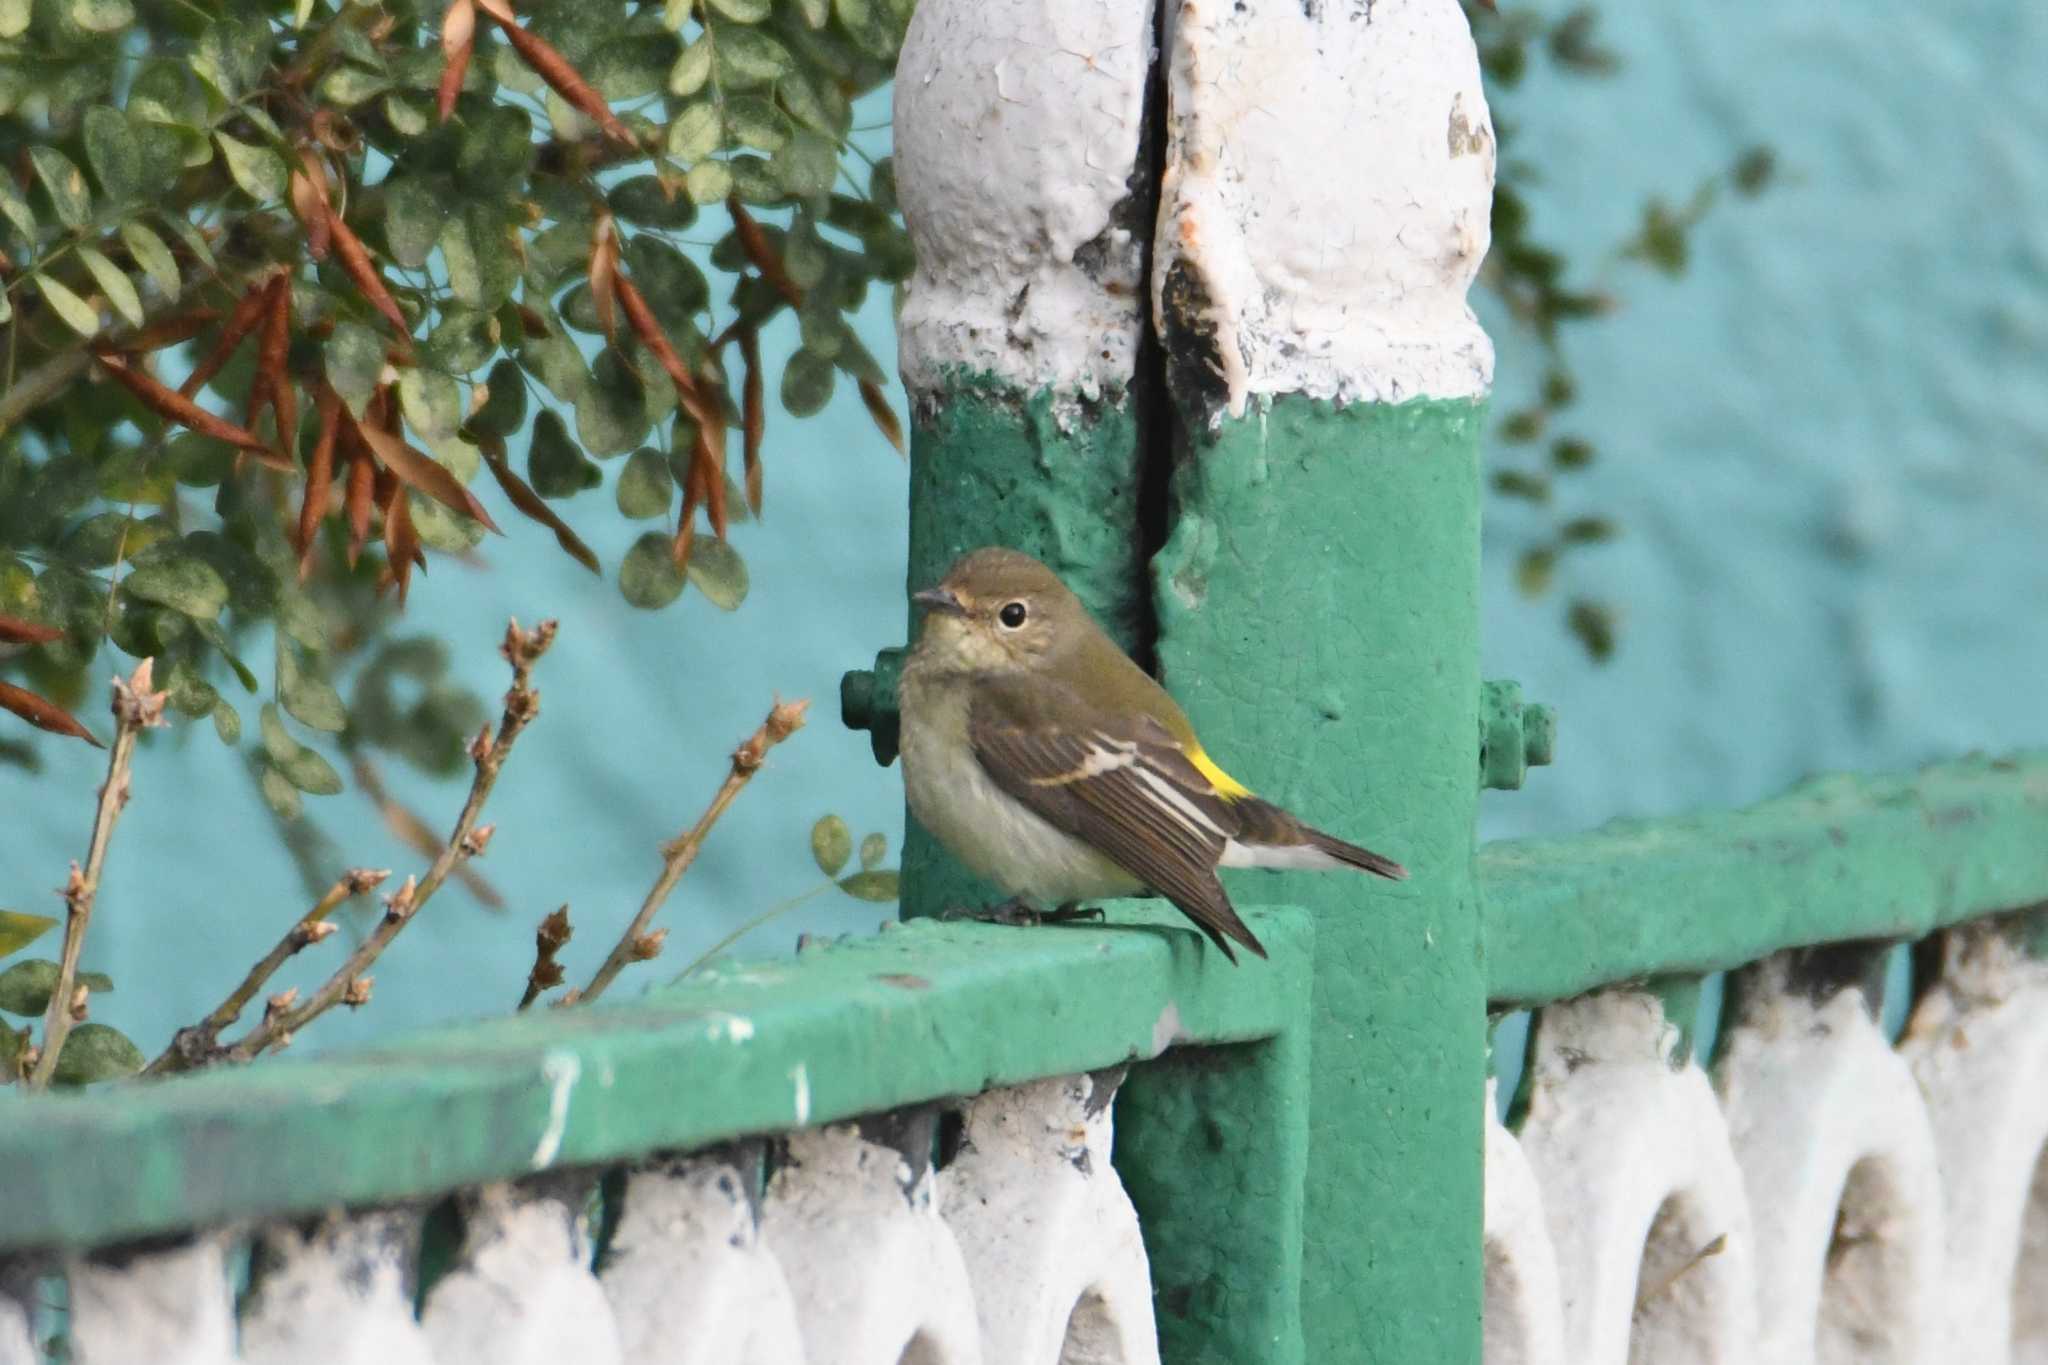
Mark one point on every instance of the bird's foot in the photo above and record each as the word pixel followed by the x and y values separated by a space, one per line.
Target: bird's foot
pixel 1021 913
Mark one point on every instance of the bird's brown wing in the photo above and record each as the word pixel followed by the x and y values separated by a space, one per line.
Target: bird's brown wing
pixel 1120 785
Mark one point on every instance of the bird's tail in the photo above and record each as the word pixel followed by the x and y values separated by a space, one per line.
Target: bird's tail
pixel 1355 856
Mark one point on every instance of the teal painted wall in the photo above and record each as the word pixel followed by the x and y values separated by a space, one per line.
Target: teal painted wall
pixel 1829 444
pixel 1828 447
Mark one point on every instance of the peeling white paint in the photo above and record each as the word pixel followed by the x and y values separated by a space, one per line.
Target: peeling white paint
pixel 340 1295
pixel 1647 1213
pixel 1978 1045
pixel 166 1307
pixel 732 1027
pixel 1017 128
pixel 1839 1165
pixel 1523 1315
pixel 521 1291
pixel 1166 1028
pixel 561 1070
pixel 1048 1235
pixel 689 1280
pixel 869 1261
pixel 1328 198
pixel 800 1077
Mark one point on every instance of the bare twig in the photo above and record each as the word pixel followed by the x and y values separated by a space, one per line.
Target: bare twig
pixel 416 832
pixel 348 985
pixel 137 706
pixel 199 1044
pixel 554 932
pixel 637 944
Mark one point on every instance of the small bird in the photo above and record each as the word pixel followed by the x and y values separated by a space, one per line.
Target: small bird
pixel 1049 763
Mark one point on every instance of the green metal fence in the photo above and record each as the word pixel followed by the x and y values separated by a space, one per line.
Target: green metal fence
pixel 1258 462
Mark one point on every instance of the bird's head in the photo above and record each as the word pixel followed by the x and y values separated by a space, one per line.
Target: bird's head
pixel 998 610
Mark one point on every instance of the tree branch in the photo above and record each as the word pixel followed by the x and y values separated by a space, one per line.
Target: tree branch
pixel 348 986
pixel 638 945
pixel 199 1044
pixel 137 707
pixel 548 940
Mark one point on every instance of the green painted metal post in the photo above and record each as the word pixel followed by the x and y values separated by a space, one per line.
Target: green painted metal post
pixel 1025 178
pixel 1327 193
pixel 1301 193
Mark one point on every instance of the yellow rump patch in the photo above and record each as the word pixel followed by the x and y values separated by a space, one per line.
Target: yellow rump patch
pixel 1227 787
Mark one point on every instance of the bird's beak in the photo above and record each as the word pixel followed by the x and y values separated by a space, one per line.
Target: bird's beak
pixel 940 600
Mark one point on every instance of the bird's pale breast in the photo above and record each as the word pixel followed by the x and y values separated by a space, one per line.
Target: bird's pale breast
pixel 981 825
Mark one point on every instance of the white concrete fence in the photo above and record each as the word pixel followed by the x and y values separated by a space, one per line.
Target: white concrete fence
pixel 1827 1198
pixel 1023 1248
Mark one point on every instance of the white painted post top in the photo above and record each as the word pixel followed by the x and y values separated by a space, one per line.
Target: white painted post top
pixel 1327 199
pixel 1017 126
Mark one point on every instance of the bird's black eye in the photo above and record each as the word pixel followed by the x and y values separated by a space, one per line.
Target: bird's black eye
pixel 1012 615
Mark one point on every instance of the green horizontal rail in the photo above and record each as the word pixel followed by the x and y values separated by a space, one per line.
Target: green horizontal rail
pixel 1834 859
pixel 921 1012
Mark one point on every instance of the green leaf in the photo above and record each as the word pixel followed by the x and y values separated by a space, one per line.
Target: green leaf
pixel 644 485
pixel 194 240
pixel 211 632
pixel 873 849
pixel 641 200
pixel 691 70
pixel 115 154
pixel 69 194
pixel 633 66
pixel 556 465
pixel 415 211
pixel 802 99
pixel 280 795
pixel 463 339
pixel 102 16
pixel 675 289
pixel 831 844
pixel 18 930
pixel 348 85
pixel 742 11
pixel 816 12
pixel 718 572
pixel 310 698
pixel 16 208
pixel 695 134
pixel 25 987
pixel 301 618
pixel 118 288
pixel 611 412
pixel 181 581
pixel 504 408
pixel 298 765
pixel 648 576
pixel 79 315
pixel 431 402
pixel 190 694
pixel 748 57
pixel 754 122
pixel 355 358
pixel 478 249
pixel 806 165
pixel 96 1052
pixel 14 17
pixel 407 117
pixel 153 257
pixel 878 886
pixel 259 171
pixel 709 181
pixel 227 723
pixel 806 383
